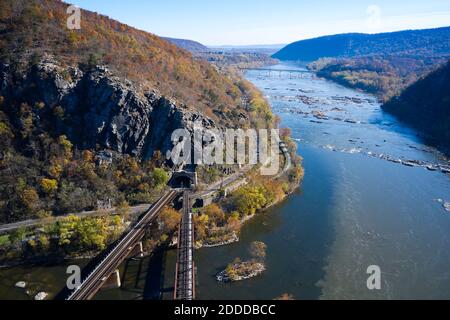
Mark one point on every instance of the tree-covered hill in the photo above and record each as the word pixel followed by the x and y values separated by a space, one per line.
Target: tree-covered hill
pixel 382 75
pixel 189 45
pixel 86 116
pixel 31 28
pixel 412 42
pixel 426 106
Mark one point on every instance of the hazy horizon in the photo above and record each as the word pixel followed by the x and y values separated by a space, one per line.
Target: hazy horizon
pixel 250 23
pixel 325 35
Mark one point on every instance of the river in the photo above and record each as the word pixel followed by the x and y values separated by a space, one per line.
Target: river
pixel 357 207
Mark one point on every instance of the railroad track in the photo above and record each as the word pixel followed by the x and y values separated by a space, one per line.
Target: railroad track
pixel 95 280
pixel 185 272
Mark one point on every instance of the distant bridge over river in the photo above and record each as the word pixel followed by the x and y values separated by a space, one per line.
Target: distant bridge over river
pixel 280 73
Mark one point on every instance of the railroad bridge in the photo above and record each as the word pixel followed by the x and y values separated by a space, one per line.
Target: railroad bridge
pixel 280 73
pixel 107 268
pixel 185 270
pixel 106 274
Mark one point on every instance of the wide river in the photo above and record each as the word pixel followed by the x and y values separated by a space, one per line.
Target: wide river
pixel 358 206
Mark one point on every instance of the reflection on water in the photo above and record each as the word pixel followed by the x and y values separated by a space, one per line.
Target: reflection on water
pixel 373 194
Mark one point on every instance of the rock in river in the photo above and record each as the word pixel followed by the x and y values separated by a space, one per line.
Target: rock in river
pixel 447 206
pixel 41 296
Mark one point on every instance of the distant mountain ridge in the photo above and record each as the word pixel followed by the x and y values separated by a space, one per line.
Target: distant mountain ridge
pixel 189 45
pixel 417 42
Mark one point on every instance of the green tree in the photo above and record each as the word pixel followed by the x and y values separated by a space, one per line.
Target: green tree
pixel 92 233
pixel 160 178
pixel 44 243
pixel 17 236
pixel 123 210
pixel 247 200
pixel 65 230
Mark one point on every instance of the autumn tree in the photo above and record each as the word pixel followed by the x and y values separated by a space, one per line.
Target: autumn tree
pixel 169 219
pixel 233 222
pixel 87 156
pixel 249 199
pixel 215 214
pixel 49 185
pixel 201 226
pixel 29 198
pixel 258 250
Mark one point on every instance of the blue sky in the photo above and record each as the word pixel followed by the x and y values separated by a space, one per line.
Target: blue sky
pixel 246 22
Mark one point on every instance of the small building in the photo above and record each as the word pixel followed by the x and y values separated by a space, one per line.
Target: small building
pixel 104 204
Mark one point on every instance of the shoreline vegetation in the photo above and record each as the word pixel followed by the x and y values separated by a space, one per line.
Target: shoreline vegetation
pixel 383 76
pixel 243 270
pixel 219 224
pixel 73 237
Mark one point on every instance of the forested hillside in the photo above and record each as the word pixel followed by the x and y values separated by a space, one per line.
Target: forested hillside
pixel 382 64
pixel 189 45
pixel 383 76
pixel 86 115
pixel 426 106
pixel 30 28
pixel 411 42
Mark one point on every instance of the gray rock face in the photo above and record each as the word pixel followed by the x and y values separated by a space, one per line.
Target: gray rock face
pixel 4 77
pixel 102 111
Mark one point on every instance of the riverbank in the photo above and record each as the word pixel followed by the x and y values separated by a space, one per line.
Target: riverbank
pixel 220 223
pixel 354 210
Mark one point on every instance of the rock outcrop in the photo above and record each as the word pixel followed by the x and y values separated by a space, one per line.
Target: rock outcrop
pixel 100 110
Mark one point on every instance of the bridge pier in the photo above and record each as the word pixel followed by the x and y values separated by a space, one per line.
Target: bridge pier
pixel 113 281
pixel 105 274
pixel 137 251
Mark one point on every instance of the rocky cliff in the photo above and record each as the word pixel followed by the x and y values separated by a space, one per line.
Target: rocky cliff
pixel 98 110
